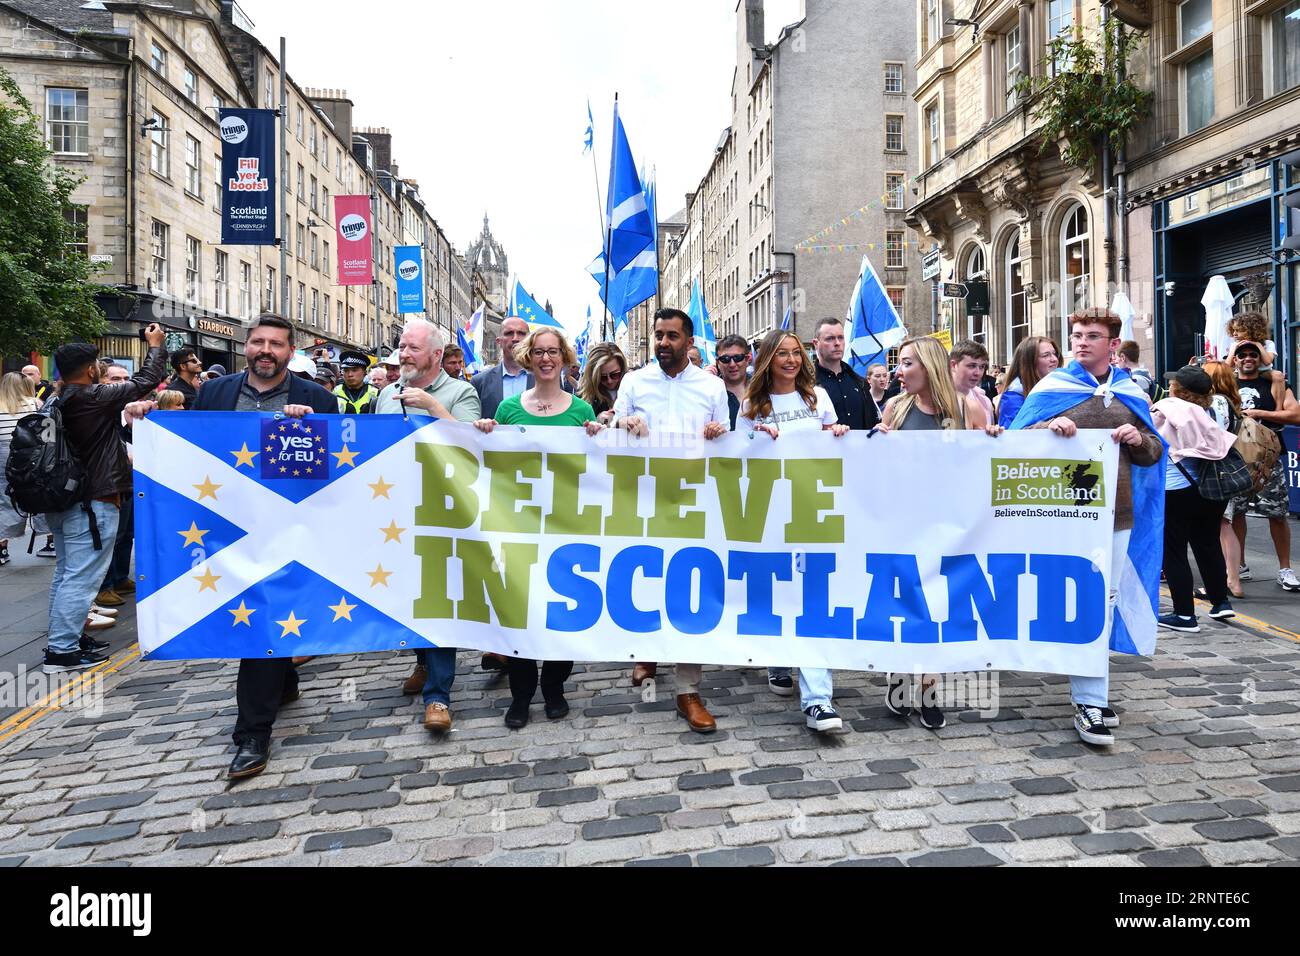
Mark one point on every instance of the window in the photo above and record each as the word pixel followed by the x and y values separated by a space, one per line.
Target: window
pixel 67 120
pixel 1198 92
pixel 325 256
pixel 159 157
pixel 1060 22
pixel 193 268
pixel 894 190
pixel 221 296
pixel 245 289
pixel 315 252
pixel 315 307
pixel 78 217
pixel 161 240
pixel 298 124
pixel 1195 20
pixel 933 29
pixel 302 302
pixel 1076 261
pixel 268 291
pixel 1015 295
pixel 190 84
pixel 976 271
pixel 898 299
pixel 158 57
pixel 1285 27
pixel 325 203
pixel 218 103
pixel 894 132
pixel 268 92
pixel 314 206
pixel 311 139
pixel 299 245
pixel 302 187
pixel 1011 49
pixel 193 167
pixel 326 323
pixel 893 77
pixel 894 250
pixel 932 153
pixel 338 163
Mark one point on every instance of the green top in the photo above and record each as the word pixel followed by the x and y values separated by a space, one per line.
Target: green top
pixel 512 412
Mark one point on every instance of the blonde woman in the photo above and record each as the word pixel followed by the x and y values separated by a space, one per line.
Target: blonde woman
pixel 601 377
pixel 544 354
pixel 783 396
pixel 170 401
pixel 928 402
pixel 17 398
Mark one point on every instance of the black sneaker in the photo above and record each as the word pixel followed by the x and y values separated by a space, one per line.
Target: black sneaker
pixel 822 718
pixel 88 643
pixel 4 554
pixel 1176 622
pixel 1091 726
pixel 77 661
pixel 782 686
pixel 1109 717
pixel 897 694
pixel 47 551
pixel 932 717
pixel 1222 611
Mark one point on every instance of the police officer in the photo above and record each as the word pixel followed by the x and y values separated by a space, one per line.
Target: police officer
pixel 356 395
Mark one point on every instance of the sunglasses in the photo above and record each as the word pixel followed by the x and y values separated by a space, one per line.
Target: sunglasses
pixel 732 359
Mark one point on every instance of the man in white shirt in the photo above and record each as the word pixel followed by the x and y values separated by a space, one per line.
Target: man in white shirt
pixel 679 397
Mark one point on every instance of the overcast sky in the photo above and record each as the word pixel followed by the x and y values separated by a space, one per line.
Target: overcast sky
pixel 487 105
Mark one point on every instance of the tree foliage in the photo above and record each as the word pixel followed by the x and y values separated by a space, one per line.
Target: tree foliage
pixel 1081 97
pixel 46 296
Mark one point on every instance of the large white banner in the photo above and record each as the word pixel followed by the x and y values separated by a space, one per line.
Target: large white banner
pixel 907 552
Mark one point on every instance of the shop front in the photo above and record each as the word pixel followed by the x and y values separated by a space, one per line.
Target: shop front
pixel 218 341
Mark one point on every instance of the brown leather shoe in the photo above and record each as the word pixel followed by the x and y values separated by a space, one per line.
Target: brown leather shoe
pixel 125 586
pixel 415 683
pixel 437 717
pixel 697 715
pixel 109 598
pixel 299 661
pixel 493 662
pixel 643 672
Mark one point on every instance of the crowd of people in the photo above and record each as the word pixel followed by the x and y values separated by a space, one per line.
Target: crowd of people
pixel 1218 424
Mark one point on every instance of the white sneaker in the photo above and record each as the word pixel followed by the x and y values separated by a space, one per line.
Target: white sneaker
pixel 1245 574
pixel 103 611
pixel 97 622
pixel 1287 580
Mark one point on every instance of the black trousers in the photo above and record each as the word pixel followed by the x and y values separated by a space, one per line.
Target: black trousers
pixel 262 684
pixel 523 677
pixel 1192 520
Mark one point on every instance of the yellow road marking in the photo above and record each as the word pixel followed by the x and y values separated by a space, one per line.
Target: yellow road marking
pixel 1254 623
pixel 57 698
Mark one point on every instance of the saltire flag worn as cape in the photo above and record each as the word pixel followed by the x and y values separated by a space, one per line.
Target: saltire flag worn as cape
pixel 1137 601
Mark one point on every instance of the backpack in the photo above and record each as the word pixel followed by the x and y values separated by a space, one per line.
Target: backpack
pixel 1259 448
pixel 1221 480
pixel 43 476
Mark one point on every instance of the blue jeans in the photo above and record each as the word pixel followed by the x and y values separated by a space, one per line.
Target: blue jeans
pixel 441 664
pixel 119 569
pixel 1095 691
pixel 78 570
pixel 815 685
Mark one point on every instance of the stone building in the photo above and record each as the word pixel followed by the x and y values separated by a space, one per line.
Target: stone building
pixel 486 261
pixel 820 133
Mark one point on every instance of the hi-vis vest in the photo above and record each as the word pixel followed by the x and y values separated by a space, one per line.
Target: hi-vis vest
pixel 361 406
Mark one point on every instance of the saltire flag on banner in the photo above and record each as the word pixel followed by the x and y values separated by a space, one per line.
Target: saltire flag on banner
pixel 627 216
pixel 1137 587
pixel 638 280
pixel 408 263
pixel 355 254
pixel 705 339
pixel 248 177
pixel 529 309
pixel 872 323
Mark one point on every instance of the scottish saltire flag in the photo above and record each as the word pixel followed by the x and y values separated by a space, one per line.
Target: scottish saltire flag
pixel 1133 629
pixel 789 317
pixel 528 308
pixel 590 137
pixel 219 574
pixel 705 339
pixel 471 354
pixel 583 341
pixel 627 216
pixel 872 324
pixel 638 280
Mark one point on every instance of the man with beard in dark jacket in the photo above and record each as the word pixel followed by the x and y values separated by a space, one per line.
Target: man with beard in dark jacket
pixel 84 534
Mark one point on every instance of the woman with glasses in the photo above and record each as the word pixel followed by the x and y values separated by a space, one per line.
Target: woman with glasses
pixel 601 377
pixel 783 397
pixel 545 354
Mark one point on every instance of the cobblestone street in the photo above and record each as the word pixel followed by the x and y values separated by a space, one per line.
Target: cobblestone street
pixel 1205 770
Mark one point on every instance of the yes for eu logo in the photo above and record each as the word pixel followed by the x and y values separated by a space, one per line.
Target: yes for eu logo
pixel 293 449
pixel 1048 481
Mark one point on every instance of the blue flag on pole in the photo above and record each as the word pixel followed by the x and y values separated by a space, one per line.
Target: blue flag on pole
pixel 872 322
pixel 589 138
pixel 638 280
pixel 1133 627
pixel 789 315
pixel 528 308
pixel 705 339
pixel 627 216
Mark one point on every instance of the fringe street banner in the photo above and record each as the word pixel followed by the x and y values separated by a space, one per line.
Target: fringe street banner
pixel 259 536
pixel 247 177
pixel 353 240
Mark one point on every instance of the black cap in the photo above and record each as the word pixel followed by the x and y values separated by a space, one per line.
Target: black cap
pixel 353 360
pixel 1193 379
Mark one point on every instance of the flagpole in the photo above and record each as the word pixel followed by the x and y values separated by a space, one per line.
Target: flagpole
pixel 605 229
pixel 600 211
